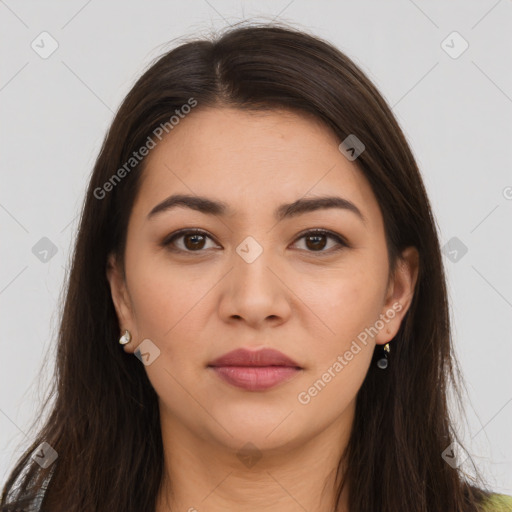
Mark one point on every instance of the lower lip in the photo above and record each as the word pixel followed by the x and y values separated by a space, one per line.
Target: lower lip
pixel 255 378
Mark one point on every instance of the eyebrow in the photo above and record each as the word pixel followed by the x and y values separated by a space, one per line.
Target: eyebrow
pixel 214 207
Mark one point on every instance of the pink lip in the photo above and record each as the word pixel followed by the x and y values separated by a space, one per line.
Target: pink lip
pixel 255 370
pixel 262 357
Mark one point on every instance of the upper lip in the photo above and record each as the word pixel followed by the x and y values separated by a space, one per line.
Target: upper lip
pixel 262 357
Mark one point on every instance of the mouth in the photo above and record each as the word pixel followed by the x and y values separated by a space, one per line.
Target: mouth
pixel 255 370
pixel 255 378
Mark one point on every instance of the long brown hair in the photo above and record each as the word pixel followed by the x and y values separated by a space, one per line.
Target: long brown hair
pixel 104 419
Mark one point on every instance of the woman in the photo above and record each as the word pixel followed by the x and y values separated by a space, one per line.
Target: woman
pixel 257 234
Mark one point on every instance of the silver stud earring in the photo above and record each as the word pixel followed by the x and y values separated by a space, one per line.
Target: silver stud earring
pixel 125 338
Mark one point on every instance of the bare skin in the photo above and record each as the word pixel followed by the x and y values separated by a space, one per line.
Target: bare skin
pixel 300 296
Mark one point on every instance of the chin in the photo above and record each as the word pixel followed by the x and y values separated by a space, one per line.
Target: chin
pixel 264 430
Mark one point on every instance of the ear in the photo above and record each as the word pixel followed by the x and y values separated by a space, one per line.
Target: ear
pixel 121 299
pixel 399 294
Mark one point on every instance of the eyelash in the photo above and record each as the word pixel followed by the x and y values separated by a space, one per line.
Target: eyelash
pixel 168 241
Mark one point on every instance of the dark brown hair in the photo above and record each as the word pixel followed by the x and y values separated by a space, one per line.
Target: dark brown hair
pixel 104 419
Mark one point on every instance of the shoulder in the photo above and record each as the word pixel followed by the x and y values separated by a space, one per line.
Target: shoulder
pixel 498 503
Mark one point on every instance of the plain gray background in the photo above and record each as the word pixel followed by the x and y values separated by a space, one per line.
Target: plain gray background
pixel 454 106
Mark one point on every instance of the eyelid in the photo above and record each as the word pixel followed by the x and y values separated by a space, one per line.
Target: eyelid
pixel 322 231
pixel 168 240
pixel 340 240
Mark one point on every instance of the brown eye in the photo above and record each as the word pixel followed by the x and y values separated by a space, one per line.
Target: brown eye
pixel 193 241
pixel 316 241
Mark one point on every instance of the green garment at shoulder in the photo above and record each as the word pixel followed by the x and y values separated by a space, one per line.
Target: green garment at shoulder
pixel 498 503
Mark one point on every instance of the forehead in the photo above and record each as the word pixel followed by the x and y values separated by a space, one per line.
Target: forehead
pixel 251 160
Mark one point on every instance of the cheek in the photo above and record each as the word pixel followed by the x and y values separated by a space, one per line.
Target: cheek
pixel 165 298
pixel 348 304
pixel 342 358
pixel 153 296
pixel 152 292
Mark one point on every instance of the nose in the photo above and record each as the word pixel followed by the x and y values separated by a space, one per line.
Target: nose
pixel 255 292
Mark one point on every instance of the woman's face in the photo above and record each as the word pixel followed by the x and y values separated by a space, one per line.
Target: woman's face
pixel 256 278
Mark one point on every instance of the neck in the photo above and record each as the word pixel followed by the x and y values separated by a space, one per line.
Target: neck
pixel 201 475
